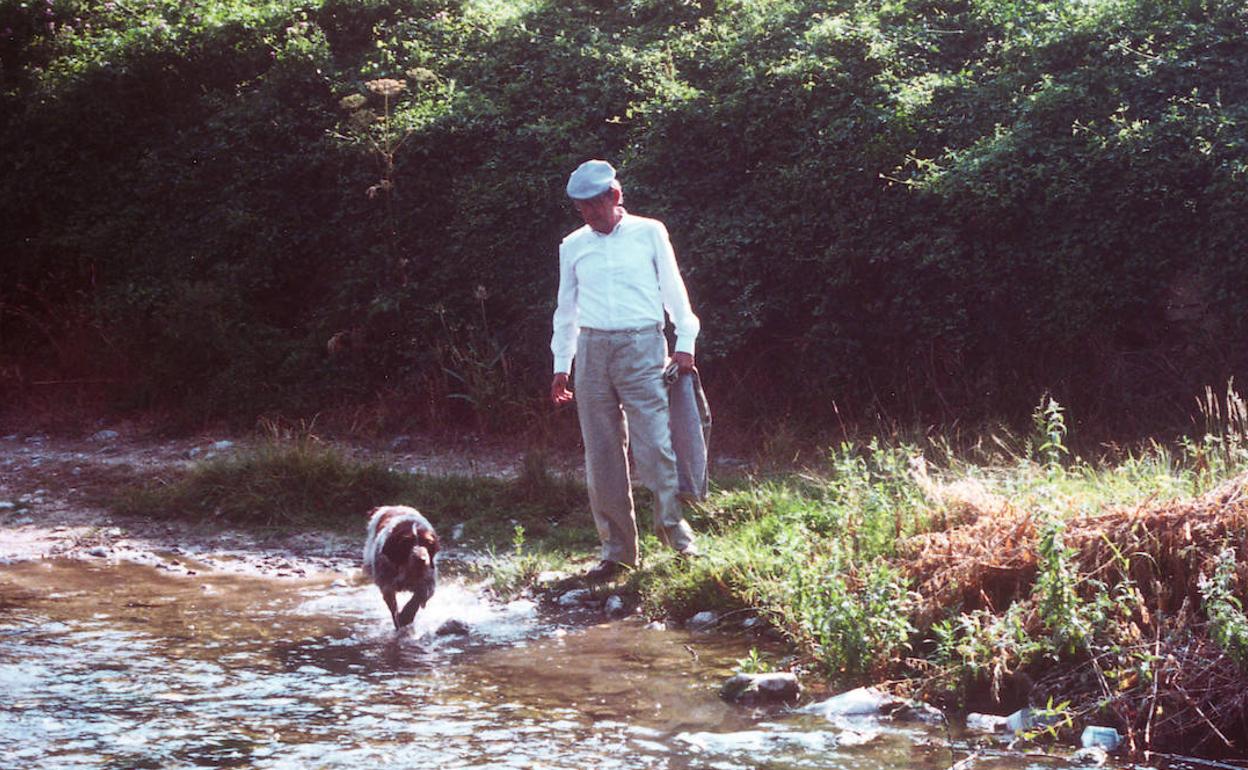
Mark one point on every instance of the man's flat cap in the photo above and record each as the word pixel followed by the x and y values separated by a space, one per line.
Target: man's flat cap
pixel 591 179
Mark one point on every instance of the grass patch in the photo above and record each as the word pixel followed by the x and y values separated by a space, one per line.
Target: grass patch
pixel 303 482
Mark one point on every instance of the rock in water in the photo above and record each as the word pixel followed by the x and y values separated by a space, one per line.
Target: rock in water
pixel 750 689
pixel 703 620
pixel 986 723
pixel 453 627
pixel 862 702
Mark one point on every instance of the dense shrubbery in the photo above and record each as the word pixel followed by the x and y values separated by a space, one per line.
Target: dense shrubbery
pixel 929 208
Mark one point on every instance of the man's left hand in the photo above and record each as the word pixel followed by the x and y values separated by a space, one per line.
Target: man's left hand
pixel 683 361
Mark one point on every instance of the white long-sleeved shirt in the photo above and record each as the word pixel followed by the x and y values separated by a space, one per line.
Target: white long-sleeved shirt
pixel 624 279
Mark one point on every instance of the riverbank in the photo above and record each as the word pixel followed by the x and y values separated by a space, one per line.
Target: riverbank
pixel 1107 592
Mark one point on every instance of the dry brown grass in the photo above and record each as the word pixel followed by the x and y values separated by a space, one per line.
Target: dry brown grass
pixel 1196 699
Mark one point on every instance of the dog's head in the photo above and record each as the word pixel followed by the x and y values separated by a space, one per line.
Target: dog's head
pixel 412 548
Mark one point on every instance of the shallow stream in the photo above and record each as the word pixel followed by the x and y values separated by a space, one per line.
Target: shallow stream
pixel 117 665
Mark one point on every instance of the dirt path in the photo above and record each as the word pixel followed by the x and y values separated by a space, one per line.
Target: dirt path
pixel 53 492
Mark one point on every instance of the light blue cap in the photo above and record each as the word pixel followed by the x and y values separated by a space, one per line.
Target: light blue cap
pixel 591 178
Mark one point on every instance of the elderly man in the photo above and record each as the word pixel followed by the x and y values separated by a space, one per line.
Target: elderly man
pixel 617 275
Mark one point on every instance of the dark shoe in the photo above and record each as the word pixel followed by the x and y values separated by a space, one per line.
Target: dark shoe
pixel 605 570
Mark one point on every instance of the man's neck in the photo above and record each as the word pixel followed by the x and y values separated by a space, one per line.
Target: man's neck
pixel 617 214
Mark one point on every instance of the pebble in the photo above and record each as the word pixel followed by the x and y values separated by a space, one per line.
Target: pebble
pixel 99 551
pixel 222 445
pixel 101 436
pixel 574 597
pixel 614 607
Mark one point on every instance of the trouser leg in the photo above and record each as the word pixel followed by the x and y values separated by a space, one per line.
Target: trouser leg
pixel 639 380
pixel 605 432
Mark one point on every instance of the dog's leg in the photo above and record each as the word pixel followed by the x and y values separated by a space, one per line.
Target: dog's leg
pixel 388 595
pixel 410 609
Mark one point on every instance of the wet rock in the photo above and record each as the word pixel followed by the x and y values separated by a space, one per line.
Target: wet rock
pixel 99 551
pixel 750 689
pixel 915 711
pixel 703 621
pixel 986 723
pixel 574 597
pixel 401 444
pixel 752 622
pixel 454 627
pixel 457 532
pixel 7 505
pixel 1093 756
pixel 860 702
pixel 656 625
pixel 104 436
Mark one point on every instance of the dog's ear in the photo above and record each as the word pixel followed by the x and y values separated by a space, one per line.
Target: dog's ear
pixel 400 542
pixel 429 539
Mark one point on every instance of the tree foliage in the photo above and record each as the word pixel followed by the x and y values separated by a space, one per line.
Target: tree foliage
pixel 929 208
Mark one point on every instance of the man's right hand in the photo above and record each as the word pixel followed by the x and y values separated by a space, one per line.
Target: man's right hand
pixel 559 393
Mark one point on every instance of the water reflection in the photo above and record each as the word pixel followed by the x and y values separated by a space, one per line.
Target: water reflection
pixel 123 666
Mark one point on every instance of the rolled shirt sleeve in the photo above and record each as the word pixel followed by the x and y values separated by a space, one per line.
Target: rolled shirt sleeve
pixel 675 296
pixel 563 340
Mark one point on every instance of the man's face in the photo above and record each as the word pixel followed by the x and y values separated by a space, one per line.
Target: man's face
pixel 599 212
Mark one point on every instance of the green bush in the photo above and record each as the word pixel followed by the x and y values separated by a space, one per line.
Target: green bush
pixel 923 208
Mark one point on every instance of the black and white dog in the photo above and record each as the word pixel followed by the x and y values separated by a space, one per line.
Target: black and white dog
pixel 399 556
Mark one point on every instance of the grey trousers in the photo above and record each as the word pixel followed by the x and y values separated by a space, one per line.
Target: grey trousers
pixel 621 399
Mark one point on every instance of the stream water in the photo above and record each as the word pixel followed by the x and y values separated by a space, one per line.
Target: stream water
pixel 115 665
